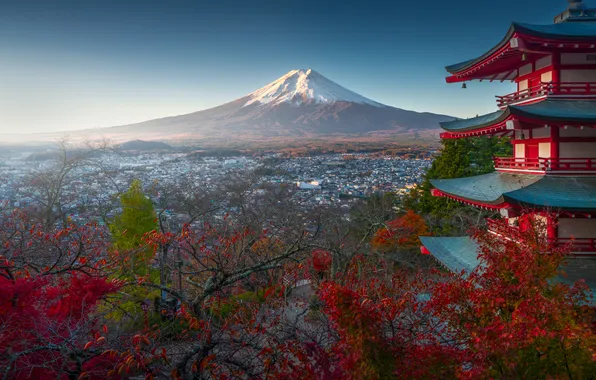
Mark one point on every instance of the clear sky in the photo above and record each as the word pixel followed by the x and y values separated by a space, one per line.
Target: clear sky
pixel 68 65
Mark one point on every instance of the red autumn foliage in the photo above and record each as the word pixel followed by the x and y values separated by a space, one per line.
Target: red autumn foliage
pixel 50 286
pixel 401 233
pixel 506 319
pixel 511 317
pixel 321 260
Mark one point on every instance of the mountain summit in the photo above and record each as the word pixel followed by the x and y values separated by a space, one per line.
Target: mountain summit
pixel 305 87
pixel 300 104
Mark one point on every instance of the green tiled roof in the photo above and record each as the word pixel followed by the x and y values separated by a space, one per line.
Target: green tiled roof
pixel 568 31
pixel 559 192
pixel 556 110
pixel 577 30
pixel 560 110
pixel 579 268
pixel 569 193
pixel 473 122
pixel 461 254
pixel 486 188
pixel 456 253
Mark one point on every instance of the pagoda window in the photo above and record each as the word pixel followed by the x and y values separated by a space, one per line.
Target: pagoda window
pixel 520 151
pixel 544 150
pixel 546 77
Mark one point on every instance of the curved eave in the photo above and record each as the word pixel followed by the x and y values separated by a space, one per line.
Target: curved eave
pixel 461 254
pixel 572 194
pixel 486 190
pixel 476 123
pixel 581 112
pixel 502 60
pixel 456 253
pixel 496 204
pixel 571 111
pixel 460 67
pixel 503 190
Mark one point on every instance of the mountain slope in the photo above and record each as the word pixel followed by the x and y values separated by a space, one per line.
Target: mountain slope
pixel 302 103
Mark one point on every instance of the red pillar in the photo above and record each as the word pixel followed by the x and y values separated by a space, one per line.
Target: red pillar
pixel 551 228
pixel 556 77
pixel 554 147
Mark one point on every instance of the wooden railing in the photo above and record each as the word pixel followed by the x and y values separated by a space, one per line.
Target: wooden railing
pixel 546 89
pixel 579 244
pixel 546 164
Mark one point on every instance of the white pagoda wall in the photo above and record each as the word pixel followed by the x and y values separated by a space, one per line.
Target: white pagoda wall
pixel 578 75
pixel 577 150
pixel 577 59
pixel 577 132
pixel 539 133
pixel 577 228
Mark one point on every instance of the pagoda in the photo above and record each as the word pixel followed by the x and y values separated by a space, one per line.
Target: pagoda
pixel 551 122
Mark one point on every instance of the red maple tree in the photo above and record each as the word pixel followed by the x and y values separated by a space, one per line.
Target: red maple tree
pixel 50 286
pixel 401 233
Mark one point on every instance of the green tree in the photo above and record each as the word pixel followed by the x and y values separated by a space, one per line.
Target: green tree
pixel 458 158
pixel 137 218
pixel 128 229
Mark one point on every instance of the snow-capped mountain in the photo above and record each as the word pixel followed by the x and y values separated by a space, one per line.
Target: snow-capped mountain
pixel 304 87
pixel 300 104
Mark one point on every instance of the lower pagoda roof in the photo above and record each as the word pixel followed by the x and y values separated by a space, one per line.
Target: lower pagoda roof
pixel 461 254
pixel 580 111
pixel 456 253
pixel 504 189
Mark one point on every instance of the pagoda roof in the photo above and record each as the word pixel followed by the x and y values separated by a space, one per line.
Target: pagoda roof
pixel 494 189
pixel 461 254
pixel 555 110
pixel 576 31
pixel 456 253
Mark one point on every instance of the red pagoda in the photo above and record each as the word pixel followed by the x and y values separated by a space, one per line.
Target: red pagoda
pixel 551 121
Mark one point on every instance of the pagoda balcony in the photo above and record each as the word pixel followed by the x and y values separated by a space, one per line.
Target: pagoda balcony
pixel 544 165
pixel 577 245
pixel 546 90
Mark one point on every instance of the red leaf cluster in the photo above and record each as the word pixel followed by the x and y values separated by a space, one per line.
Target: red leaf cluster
pixel 401 232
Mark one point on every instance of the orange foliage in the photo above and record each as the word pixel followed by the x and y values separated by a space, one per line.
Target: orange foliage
pixel 401 232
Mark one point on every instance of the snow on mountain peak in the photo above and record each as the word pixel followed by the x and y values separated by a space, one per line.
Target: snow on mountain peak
pixel 305 86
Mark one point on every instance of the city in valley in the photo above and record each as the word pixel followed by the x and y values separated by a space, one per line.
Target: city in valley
pixel 333 180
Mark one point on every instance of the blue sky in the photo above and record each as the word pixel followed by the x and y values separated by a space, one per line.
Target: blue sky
pixel 68 65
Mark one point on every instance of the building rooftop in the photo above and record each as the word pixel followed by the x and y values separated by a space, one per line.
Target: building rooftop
pixel 563 193
pixel 570 111
pixel 461 254
pixel 575 31
pixel 455 253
